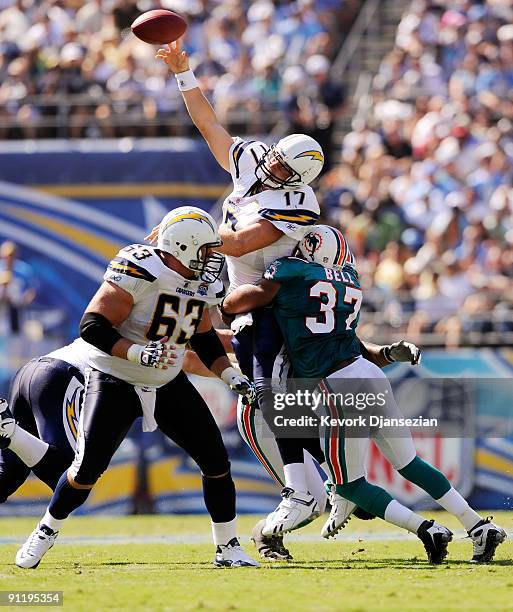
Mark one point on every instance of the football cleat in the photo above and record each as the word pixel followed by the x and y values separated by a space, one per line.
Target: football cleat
pixel 7 424
pixel 485 538
pixel 37 545
pixel 296 510
pixel 233 555
pixel 269 547
pixel 341 510
pixel 435 538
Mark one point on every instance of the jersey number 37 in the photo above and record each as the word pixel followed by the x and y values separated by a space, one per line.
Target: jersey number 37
pixel 328 295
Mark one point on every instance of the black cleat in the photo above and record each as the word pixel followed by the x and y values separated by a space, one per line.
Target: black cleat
pixel 435 538
pixel 485 538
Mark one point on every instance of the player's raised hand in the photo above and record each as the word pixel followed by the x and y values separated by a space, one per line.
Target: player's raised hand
pixel 156 354
pixel 153 235
pixel 176 59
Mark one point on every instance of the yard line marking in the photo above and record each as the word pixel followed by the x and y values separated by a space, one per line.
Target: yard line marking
pixel 194 538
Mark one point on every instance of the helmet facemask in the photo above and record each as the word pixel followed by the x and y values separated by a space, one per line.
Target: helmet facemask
pixel 208 264
pixel 269 179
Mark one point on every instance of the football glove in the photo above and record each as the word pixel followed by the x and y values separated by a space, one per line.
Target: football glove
pixel 158 354
pixel 239 383
pixel 403 351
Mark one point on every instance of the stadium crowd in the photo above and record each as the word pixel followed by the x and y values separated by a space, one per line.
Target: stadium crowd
pixel 72 68
pixel 424 185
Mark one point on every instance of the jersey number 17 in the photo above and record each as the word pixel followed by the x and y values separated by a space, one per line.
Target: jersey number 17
pixel 326 322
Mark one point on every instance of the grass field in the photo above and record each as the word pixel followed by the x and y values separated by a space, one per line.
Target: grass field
pixel 165 563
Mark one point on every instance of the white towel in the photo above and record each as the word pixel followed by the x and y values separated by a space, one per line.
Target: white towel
pixel 147 397
pixel 241 321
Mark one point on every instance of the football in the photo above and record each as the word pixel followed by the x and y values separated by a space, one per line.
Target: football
pixel 159 27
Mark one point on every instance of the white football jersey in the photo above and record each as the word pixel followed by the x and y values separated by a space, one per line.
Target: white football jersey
pixel 292 212
pixel 165 304
pixel 76 354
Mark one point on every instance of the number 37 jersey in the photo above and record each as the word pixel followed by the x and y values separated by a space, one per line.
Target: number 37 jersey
pixel 165 304
pixel 317 309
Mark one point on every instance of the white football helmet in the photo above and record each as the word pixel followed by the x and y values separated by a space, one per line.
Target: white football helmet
pixel 327 246
pixel 189 233
pixel 300 155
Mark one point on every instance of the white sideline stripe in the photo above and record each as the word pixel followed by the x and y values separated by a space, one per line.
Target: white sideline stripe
pixel 190 538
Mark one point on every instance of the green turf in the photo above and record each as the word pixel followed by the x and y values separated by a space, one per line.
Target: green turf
pixel 363 574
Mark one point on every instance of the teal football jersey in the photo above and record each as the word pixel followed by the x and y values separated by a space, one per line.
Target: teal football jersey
pixel 317 309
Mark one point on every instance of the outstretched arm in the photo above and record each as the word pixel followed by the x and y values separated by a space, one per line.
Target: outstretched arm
pixel 202 114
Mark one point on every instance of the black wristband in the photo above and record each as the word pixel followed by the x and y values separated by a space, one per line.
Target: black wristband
pixel 207 346
pixel 98 331
pixel 222 310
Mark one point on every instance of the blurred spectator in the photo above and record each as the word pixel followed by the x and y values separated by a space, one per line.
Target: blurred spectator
pixel 428 169
pixel 18 286
pixel 70 68
pixel 314 108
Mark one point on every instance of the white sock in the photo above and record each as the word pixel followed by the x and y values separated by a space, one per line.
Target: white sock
pixel 454 503
pixel 315 483
pixel 51 522
pixel 28 448
pixel 224 532
pixel 295 476
pixel 400 515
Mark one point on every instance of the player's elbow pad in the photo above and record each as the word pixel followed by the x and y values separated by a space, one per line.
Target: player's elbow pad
pixel 98 331
pixel 208 347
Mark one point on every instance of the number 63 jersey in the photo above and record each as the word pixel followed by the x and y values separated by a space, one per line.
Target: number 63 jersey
pixel 165 304
pixel 317 310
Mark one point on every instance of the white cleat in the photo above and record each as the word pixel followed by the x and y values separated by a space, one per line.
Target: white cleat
pixel 7 424
pixel 485 538
pixel 233 555
pixel 341 510
pixel 296 510
pixel 37 545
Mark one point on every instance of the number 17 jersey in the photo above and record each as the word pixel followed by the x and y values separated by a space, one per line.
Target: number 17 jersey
pixel 317 309
pixel 292 212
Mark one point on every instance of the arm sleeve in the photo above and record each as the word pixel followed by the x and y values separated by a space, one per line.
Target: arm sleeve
pixel 293 213
pixel 294 224
pixel 207 346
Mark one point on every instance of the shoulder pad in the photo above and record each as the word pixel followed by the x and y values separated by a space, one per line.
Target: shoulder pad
pixel 296 216
pixel 138 261
pixel 244 155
